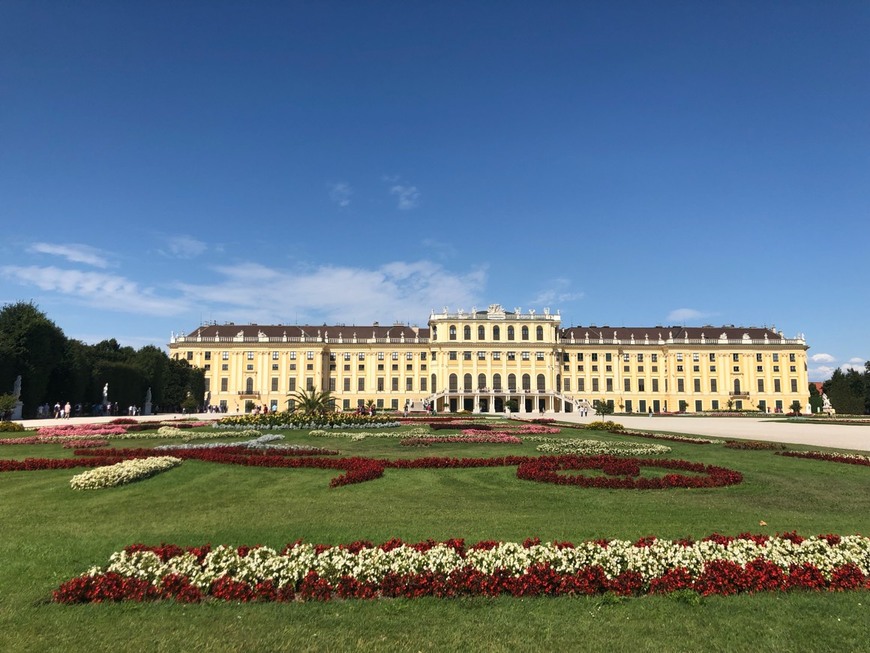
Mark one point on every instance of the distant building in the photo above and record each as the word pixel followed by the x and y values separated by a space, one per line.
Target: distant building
pixel 486 360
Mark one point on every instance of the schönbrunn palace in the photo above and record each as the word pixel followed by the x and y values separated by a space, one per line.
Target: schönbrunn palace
pixel 485 361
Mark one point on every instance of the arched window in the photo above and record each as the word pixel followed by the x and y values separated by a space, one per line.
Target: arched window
pixel 453 332
pixel 496 333
pixel 510 333
pixel 466 333
pixel 542 382
pixel 249 386
pixel 453 382
pixel 539 332
pixel 527 382
pixel 466 382
pixel 481 333
pixel 496 382
pixel 481 380
pixel 512 382
pixel 525 333
pixel 558 383
pixel 736 386
pixel 434 383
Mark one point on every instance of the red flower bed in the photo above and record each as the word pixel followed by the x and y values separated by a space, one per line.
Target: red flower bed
pixel 624 473
pixel 719 577
pixel 458 426
pixel 620 473
pixel 831 457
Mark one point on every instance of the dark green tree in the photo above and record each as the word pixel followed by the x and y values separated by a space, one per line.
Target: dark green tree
pixel 32 346
pixel 845 391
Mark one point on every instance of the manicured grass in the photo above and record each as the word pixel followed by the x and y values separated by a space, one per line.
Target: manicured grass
pixel 52 533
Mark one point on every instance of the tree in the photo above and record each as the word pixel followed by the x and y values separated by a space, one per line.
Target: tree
pixel 313 402
pixel 182 381
pixel 796 407
pixel 603 408
pixel 31 346
pixel 816 401
pixel 845 390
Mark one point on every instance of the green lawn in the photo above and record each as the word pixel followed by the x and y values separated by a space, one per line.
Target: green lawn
pixel 51 533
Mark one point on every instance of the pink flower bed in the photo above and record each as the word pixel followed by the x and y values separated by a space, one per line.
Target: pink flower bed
pixel 84 444
pixel 466 437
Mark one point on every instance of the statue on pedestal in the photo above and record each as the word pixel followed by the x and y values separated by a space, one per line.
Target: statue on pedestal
pixel 16 392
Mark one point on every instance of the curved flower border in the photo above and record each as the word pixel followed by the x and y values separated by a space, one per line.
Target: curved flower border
pixel 717 564
pixel 359 470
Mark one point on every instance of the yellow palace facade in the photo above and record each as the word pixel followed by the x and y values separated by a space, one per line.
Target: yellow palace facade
pixel 493 360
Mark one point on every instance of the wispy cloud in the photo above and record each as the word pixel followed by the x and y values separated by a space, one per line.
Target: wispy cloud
pixel 74 253
pixel 560 291
pixel 408 196
pixel 403 291
pixel 96 289
pixel 820 373
pixel 822 358
pixel 340 193
pixel 184 247
pixel 686 315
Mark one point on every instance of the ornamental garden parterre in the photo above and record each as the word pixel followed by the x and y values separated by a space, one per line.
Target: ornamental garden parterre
pixel 714 565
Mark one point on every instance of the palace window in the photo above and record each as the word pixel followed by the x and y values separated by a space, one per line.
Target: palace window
pixel 452 332
pixel 524 333
pixel 510 333
pixel 466 332
pixel 481 333
pixel 539 333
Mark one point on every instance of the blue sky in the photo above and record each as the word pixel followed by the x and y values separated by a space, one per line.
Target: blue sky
pixel 625 163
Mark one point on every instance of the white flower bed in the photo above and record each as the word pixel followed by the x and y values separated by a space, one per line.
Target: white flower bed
pixel 122 473
pixel 256 443
pixel 600 447
pixel 373 563
pixel 415 432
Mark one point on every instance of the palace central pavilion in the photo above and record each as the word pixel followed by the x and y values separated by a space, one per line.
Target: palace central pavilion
pixel 492 360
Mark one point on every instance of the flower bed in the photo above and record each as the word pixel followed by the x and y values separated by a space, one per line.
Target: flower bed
pixel 358 470
pixel 717 565
pixel 847 458
pixel 84 444
pixel 362 435
pixel 600 447
pixel 624 473
pixel 754 445
pixel 122 473
pixel 466 437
